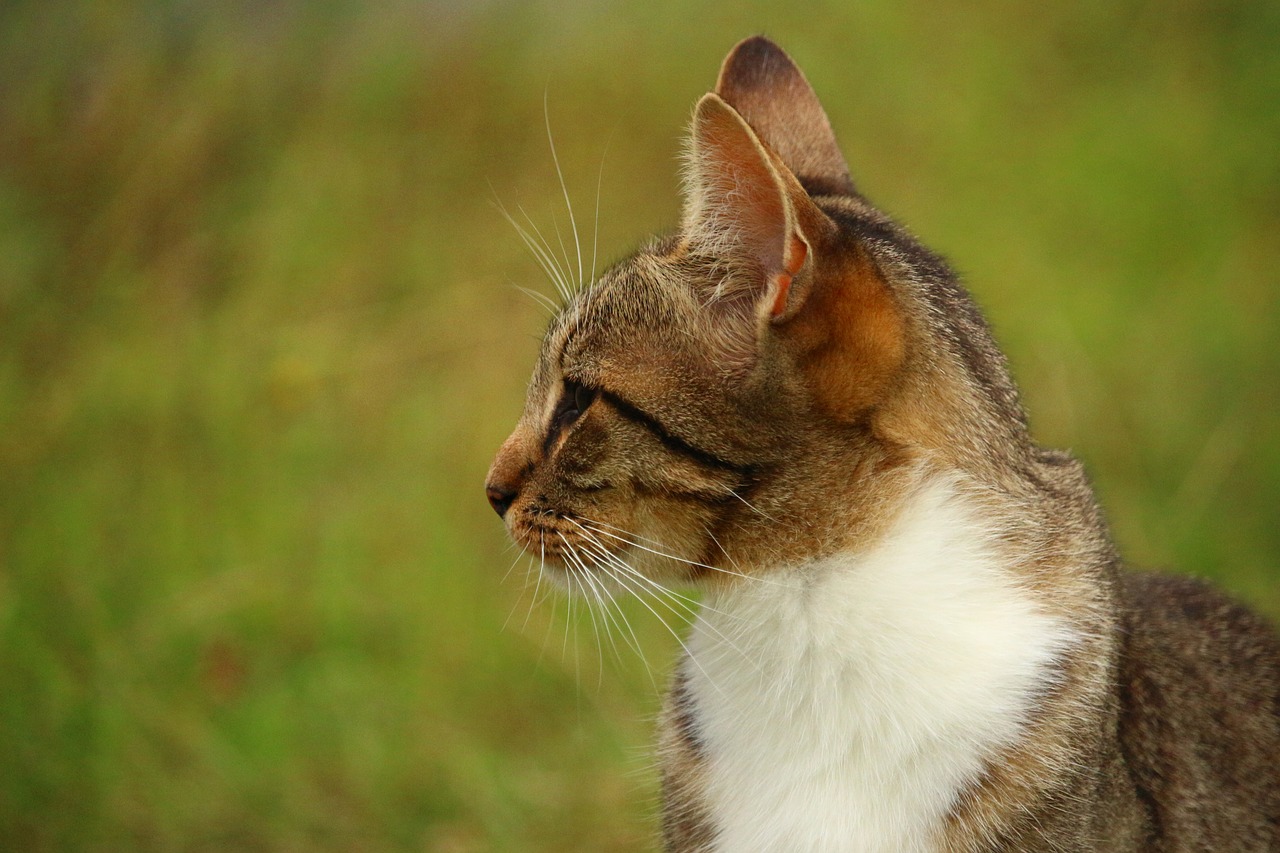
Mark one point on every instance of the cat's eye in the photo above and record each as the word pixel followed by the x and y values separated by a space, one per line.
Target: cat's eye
pixel 577 398
pixel 582 398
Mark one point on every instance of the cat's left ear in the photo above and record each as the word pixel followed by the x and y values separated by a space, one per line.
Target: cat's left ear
pixel 770 91
pixel 747 211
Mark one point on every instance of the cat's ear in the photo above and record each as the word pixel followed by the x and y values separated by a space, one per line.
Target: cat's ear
pixel 747 211
pixel 766 88
pixel 775 265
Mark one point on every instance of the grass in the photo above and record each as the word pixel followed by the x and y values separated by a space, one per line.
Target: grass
pixel 258 342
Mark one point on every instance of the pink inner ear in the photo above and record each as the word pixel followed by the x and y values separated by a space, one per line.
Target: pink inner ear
pixel 793 259
pixel 796 251
pixel 782 286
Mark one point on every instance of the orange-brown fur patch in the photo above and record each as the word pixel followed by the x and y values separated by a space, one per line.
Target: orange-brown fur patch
pixel 849 338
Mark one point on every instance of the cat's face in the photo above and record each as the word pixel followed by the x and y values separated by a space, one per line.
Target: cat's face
pixel 744 393
pixel 631 435
pixel 647 431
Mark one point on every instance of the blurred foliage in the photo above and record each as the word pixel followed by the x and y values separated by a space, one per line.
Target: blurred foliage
pixel 258 339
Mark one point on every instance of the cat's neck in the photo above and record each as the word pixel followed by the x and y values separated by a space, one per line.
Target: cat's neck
pixel 858 695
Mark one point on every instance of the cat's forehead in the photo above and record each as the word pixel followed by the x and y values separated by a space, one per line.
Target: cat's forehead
pixel 632 310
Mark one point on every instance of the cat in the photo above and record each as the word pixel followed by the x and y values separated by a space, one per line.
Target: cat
pixel 916 633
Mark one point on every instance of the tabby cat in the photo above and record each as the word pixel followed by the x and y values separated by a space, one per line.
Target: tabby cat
pixel 916 634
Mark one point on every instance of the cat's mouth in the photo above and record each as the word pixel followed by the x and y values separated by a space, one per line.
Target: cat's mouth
pixel 602 554
pixel 563 540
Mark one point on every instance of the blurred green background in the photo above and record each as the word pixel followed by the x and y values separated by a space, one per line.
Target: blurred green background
pixel 260 335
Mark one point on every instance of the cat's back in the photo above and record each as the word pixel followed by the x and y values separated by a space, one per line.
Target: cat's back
pixel 1200 715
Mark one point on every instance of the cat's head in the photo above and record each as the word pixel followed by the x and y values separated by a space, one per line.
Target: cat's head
pixel 757 388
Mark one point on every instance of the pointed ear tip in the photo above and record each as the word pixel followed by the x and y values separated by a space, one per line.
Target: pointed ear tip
pixel 711 106
pixel 753 51
pixel 757 44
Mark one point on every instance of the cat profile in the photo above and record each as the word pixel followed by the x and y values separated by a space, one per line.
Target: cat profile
pixel 916 632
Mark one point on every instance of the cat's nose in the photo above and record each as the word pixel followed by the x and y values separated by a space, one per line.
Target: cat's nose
pixel 510 470
pixel 500 499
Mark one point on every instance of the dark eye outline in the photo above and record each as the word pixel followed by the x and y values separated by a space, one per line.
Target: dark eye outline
pixel 574 401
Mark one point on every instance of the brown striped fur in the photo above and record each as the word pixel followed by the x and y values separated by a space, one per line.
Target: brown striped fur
pixel 791 349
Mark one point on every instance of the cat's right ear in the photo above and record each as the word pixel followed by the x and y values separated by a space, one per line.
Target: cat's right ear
pixel 777 265
pixel 747 213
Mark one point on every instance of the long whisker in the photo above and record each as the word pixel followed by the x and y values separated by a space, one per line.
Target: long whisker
pixel 549 266
pixel 727 555
pixel 662 594
pixel 546 113
pixel 569 600
pixel 584 596
pixel 689 605
pixel 545 302
pixel 564 279
pixel 602 598
pixel 542 564
pixel 634 641
pixel 564 253
pixel 516 603
pixel 542 567
pixel 540 254
pixel 665 555
pixel 595 236
pixel 511 567
pixel 680 640
pixel 751 506
pixel 581 578
pixel 621 621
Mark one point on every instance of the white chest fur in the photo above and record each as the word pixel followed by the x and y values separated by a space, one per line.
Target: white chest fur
pixel 863 692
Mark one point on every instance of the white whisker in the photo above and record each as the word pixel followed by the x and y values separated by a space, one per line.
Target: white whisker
pixel 602 598
pixel 564 282
pixel 688 604
pixel 665 555
pixel 540 254
pixel 511 567
pixel 546 635
pixel 515 604
pixel 581 578
pixel 621 621
pixel 635 642
pixel 564 253
pixel 543 301
pixel 638 597
pixel 569 600
pixel 668 598
pixel 546 113
pixel 751 506
pixel 674 633
pixel 542 563
pixel 595 235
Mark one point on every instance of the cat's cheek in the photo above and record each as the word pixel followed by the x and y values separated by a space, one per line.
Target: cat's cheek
pixel 584 451
pixel 681 528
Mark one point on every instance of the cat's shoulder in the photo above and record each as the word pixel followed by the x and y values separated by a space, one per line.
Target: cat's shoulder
pixel 1157 602
pixel 1200 711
